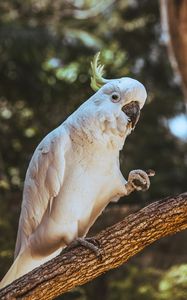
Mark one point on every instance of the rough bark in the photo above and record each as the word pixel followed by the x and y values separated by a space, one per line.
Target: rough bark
pixel 118 243
pixel 174 26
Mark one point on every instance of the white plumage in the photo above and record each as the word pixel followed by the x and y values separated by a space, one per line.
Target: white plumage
pixel 73 174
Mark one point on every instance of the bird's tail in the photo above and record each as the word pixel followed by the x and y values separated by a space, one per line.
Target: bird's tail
pixel 23 264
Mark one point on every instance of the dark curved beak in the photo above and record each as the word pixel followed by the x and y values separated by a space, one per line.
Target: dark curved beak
pixel 132 110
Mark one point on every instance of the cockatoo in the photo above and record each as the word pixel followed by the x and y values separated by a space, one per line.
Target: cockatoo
pixel 75 173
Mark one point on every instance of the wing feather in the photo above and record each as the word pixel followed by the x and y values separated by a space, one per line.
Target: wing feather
pixel 44 179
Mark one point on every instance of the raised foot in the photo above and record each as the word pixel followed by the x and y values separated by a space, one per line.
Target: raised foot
pixel 89 243
pixel 139 180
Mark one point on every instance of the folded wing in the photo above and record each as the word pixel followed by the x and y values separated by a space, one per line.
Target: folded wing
pixel 43 182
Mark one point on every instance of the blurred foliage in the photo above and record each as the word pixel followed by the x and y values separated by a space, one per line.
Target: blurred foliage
pixel 151 284
pixel 45 52
pixel 174 283
pixel 143 284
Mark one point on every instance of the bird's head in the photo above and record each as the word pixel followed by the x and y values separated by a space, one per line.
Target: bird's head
pixel 120 96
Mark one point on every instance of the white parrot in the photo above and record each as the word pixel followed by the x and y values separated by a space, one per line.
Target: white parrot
pixel 74 173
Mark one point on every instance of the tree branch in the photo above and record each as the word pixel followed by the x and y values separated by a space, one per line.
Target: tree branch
pixel 118 243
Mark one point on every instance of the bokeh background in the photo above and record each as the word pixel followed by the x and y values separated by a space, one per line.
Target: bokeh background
pixel 45 52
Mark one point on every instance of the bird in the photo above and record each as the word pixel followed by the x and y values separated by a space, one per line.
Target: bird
pixel 75 173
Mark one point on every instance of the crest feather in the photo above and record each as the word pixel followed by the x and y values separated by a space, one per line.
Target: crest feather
pixel 97 71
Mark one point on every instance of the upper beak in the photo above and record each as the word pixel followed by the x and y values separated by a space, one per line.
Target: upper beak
pixel 132 110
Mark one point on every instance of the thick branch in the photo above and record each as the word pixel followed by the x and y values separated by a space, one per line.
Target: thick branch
pixel 118 244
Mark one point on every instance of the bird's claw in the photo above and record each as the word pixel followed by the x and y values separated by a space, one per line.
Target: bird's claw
pixel 89 243
pixel 139 180
pixel 93 241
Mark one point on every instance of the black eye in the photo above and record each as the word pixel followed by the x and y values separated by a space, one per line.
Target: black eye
pixel 115 97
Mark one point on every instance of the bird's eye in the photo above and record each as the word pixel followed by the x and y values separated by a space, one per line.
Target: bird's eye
pixel 115 97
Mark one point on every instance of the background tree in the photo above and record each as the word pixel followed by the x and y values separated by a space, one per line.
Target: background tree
pixel 174 27
pixel 45 52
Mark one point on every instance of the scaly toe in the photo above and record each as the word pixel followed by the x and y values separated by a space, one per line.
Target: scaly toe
pixel 88 243
pixel 93 241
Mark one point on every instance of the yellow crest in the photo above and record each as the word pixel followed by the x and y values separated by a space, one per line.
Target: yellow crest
pixel 97 71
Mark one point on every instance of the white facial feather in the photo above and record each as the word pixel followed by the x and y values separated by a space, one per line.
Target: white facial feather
pixel 101 118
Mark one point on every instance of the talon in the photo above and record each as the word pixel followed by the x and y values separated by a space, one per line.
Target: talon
pixel 88 243
pixel 94 241
pixel 139 184
pixel 139 179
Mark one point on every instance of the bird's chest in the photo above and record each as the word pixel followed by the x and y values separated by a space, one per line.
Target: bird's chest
pixel 91 178
pixel 90 175
pixel 92 164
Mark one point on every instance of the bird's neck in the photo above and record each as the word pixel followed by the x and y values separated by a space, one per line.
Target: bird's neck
pixel 90 128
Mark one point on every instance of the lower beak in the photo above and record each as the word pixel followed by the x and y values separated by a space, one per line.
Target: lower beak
pixel 132 110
